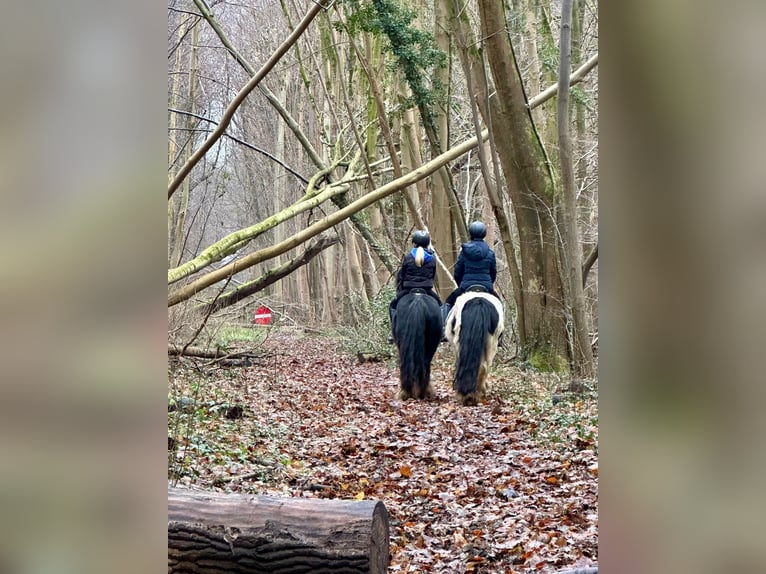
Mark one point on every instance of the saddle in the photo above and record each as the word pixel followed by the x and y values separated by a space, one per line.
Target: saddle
pixel 476 289
pixel 418 291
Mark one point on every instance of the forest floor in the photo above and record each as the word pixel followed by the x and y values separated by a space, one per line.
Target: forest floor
pixel 508 486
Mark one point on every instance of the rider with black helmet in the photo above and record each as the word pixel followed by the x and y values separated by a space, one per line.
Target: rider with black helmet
pixel 418 270
pixel 476 265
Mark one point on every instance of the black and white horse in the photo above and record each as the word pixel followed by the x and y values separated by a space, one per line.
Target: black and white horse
pixel 473 328
pixel 417 329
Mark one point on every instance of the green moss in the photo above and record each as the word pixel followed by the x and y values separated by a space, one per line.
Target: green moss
pixel 547 361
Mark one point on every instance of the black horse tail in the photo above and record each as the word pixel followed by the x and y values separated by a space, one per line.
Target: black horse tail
pixel 417 331
pixel 478 319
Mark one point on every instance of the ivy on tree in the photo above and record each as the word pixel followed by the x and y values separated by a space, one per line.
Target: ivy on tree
pixel 415 50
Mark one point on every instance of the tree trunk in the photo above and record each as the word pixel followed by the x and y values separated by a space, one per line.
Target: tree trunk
pixel 352 264
pixel 212 533
pixel 581 351
pixel 532 188
pixel 280 194
pixel 173 133
pixel 443 215
pixel 533 59
pixel 478 87
pixel 183 206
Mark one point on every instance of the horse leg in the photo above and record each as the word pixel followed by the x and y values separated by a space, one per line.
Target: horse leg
pixel 445 309
pixel 428 392
pixel 481 385
pixel 405 386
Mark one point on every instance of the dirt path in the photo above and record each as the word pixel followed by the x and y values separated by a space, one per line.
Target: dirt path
pixel 508 486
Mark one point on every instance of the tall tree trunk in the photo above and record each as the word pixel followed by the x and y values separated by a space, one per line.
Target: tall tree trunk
pixel 173 134
pixel 582 354
pixel 279 196
pixel 532 187
pixel 533 60
pixel 547 110
pixel 474 69
pixel 353 263
pixel 443 224
pixel 183 205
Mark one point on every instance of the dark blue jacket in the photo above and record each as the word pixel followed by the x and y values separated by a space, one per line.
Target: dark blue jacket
pixel 476 265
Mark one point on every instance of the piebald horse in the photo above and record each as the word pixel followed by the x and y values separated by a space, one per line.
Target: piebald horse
pixel 473 328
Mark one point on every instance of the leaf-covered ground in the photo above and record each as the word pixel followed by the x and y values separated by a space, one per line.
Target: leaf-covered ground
pixel 507 486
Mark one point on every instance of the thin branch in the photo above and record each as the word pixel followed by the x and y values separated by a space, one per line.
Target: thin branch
pixel 303 179
pixel 228 114
pixel 589 262
pixel 197 14
pixel 204 321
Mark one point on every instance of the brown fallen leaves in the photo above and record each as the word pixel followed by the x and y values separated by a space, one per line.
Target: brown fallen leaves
pixel 507 486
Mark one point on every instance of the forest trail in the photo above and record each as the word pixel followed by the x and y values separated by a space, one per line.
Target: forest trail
pixel 508 486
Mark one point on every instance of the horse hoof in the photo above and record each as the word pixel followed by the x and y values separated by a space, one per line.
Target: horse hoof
pixel 404 395
pixel 469 400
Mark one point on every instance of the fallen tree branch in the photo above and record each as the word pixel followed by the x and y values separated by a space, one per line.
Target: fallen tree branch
pixel 238 239
pixel 199 352
pixel 270 277
pixel 304 235
pixel 575 78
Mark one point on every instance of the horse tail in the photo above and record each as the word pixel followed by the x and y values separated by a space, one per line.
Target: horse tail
pixel 417 332
pixel 478 319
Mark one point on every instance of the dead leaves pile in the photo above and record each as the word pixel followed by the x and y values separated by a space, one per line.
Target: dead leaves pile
pixel 507 486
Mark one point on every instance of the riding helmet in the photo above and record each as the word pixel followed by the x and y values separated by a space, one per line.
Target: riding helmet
pixel 477 230
pixel 421 238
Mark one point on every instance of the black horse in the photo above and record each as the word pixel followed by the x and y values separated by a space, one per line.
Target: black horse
pixel 473 327
pixel 417 327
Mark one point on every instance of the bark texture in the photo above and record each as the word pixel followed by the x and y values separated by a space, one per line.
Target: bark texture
pixel 532 188
pixel 211 533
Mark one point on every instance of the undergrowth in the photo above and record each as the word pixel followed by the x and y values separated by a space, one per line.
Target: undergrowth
pixel 369 326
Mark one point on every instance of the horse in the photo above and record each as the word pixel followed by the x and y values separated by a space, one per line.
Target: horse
pixel 417 330
pixel 473 328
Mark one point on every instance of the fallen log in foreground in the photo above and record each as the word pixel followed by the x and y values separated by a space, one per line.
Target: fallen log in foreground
pixel 216 533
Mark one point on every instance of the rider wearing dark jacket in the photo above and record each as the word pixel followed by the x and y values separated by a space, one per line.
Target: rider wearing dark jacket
pixel 476 265
pixel 418 270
